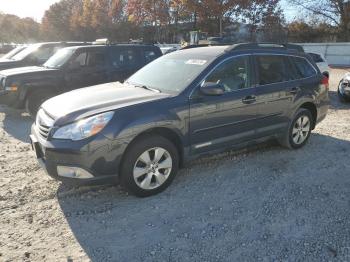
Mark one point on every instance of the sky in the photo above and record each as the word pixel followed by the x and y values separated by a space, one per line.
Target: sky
pixel 36 8
pixel 26 8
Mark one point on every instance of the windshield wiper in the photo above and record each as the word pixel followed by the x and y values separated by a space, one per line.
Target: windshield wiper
pixel 144 87
pixel 150 88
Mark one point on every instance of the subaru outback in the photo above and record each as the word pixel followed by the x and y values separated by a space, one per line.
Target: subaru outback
pixel 177 108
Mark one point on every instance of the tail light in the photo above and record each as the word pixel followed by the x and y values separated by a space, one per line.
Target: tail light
pixel 325 82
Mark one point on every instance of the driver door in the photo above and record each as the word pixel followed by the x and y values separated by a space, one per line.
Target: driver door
pixel 218 121
pixel 87 68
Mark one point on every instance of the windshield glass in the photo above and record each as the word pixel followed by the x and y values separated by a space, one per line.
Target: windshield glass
pixel 23 54
pixel 59 58
pixel 169 73
pixel 13 52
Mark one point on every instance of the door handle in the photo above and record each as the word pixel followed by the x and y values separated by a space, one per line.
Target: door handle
pixel 294 90
pixel 249 99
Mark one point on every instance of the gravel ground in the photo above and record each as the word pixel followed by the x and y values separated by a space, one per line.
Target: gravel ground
pixel 265 203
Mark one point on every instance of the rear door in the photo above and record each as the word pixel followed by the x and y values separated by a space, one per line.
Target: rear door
pixel 220 121
pixel 277 86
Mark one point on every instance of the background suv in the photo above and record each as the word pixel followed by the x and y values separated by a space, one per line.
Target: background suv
pixel 72 68
pixel 181 106
pixel 35 54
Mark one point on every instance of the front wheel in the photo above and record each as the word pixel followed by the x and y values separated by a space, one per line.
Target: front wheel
pixel 149 166
pixel 299 130
pixel 34 101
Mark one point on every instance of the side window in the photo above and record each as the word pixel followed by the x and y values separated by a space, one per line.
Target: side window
pixel 80 59
pixel 149 55
pixel 304 68
pixel 123 58
pixel 96 59
pixel 316 57
pixel 233 74
pixel 273 69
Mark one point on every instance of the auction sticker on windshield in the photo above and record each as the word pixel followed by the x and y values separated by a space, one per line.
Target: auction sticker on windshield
pixel 196 62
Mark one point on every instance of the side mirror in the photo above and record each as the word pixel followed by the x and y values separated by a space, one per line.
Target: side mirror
pixel 212 89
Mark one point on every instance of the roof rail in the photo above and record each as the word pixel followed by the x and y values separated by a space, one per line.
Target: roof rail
pixel 247 46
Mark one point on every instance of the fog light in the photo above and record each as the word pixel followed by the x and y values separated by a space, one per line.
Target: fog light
pixel 73 172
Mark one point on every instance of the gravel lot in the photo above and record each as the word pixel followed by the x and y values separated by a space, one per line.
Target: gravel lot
pixel 265 203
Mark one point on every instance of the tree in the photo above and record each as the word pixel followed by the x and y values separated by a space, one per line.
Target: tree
pixel 15 29
pixel 56 20
pixel 336 12
pixel 260 14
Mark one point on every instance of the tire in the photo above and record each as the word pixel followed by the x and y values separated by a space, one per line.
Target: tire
pixel 34 101
pixel 290 138
pixel 146 179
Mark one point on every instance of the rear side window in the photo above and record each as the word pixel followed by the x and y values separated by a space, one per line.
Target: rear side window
pixel 273 69
pixel 304 68
pixel 149 55
pixel 123 58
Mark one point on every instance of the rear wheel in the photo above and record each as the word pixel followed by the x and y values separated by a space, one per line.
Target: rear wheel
pixel 299 130
pixel 341 96
pixel 149 166
pixel 34 101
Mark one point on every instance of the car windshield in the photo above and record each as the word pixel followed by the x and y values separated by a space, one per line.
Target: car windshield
pixel 169 74
pixel 59 58
pixel 23 54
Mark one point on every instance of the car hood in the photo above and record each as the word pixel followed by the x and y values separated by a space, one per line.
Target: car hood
pixel 26 70
pixel 88 101
pixel 6 63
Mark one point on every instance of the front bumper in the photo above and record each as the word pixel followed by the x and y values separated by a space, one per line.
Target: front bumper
pixel 91 161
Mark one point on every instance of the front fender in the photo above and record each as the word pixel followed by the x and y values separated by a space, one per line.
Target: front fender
pixel 170 114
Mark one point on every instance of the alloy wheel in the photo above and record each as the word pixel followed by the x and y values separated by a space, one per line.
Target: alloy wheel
pixel 301 129
pixel 152 168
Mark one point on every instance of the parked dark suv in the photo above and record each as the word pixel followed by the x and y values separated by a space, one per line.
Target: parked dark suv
pixel 71 68
pixel 181 106
pixel 35 54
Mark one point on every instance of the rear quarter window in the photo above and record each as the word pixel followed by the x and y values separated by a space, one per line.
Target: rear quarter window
pixel 316 57
pixel 304 68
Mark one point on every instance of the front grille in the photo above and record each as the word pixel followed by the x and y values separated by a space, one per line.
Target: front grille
pixel 44 123
pixel 44 131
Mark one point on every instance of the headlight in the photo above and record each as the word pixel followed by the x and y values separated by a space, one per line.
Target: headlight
pixel 84 128
pixel 10 87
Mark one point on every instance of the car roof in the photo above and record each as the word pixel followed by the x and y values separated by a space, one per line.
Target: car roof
pixel 212 52
pixel 111 46
pixel 208 51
